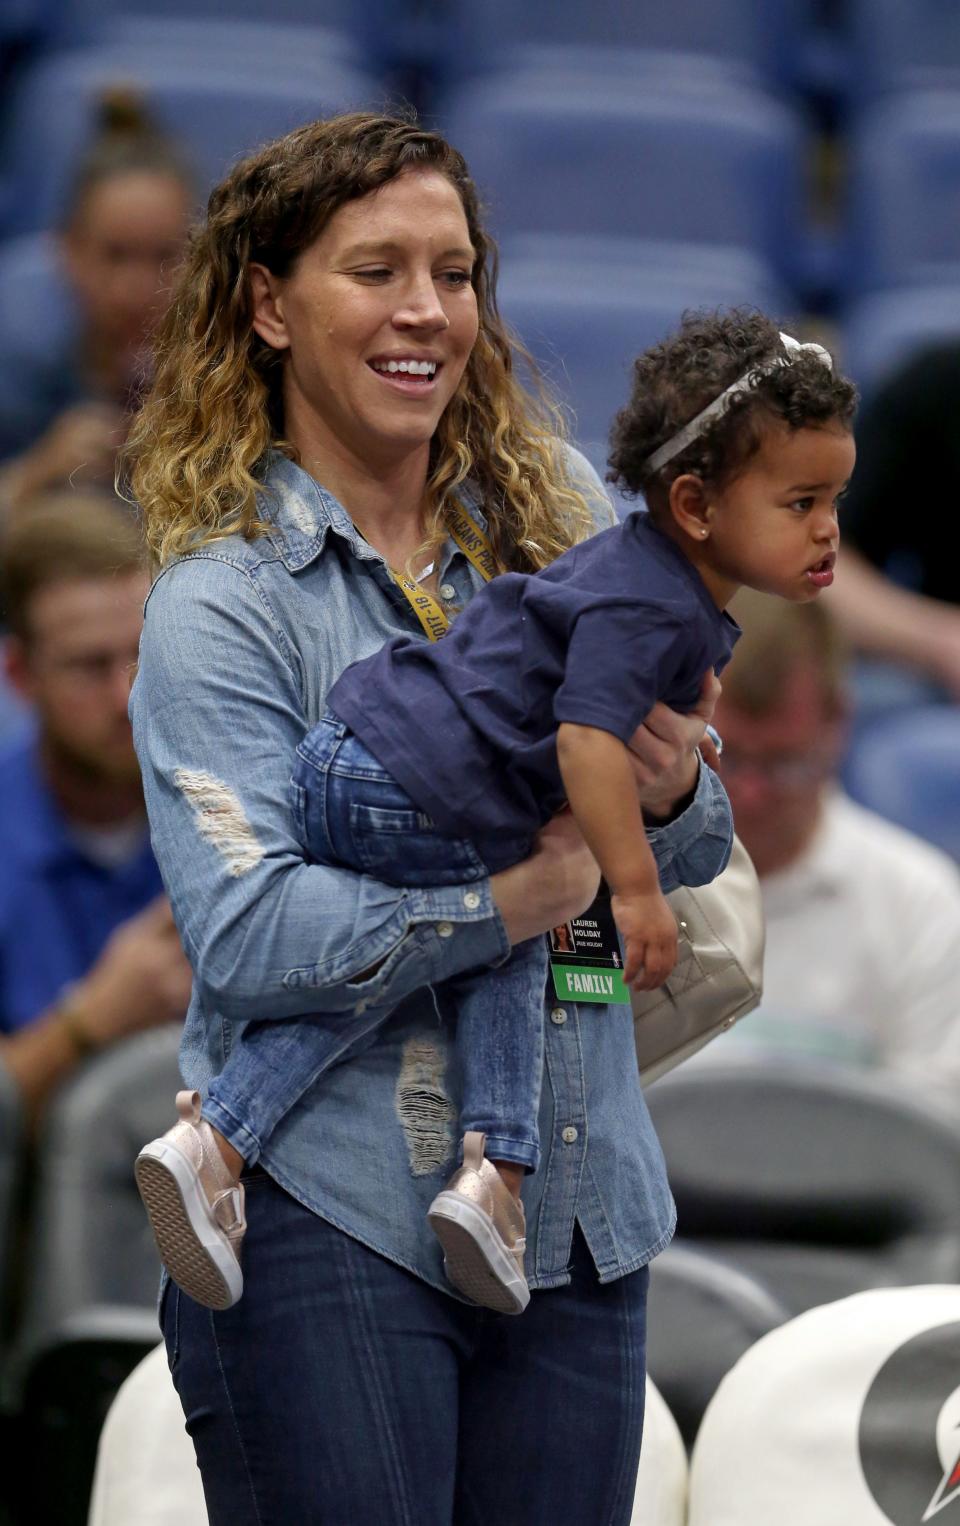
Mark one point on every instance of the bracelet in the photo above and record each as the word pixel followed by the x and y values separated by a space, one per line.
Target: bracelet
pixel 68 1010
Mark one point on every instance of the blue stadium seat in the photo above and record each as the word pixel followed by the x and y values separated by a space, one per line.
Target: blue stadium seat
pixel 585 306
pixel 218 107
pixel 37 321
pixel 703 160
pixel 904 208
pixel 99 17
pixel 35 305
pixel 289 46
pixel 905 767
pixel 731 32
pixel 882 330
pixel 24 26
pixel 899 46
pixel 23 20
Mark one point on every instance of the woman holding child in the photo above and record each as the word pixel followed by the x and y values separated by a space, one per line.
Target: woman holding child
pixel 334 395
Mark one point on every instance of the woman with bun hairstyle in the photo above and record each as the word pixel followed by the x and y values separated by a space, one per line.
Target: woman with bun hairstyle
pixel 335 450
pixel 65 401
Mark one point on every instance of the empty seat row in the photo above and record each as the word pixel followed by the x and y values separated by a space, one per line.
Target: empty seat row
pixel 219 103
pixel 641 146
pixel 662 152
pixel 818 1181
pixel 872 44
pixel 586 306
pixel 662 155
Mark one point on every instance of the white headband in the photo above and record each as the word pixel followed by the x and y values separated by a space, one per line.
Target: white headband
pixel 698 424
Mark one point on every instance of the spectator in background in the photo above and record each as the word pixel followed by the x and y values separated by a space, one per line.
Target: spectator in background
pixel 64 405
pixel 863 919
pixel 88 950
pixel 897 592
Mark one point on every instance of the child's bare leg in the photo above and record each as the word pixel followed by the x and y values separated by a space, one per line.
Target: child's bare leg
pixel 232 1158
pixel 511 1175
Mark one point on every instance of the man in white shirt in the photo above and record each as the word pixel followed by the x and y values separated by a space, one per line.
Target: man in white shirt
pixel 863 919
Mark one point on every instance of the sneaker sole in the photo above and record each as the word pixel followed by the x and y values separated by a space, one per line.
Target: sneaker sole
pixel 476 1260
pixel 193 1249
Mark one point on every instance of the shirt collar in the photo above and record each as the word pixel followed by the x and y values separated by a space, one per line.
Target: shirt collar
pixel 301 513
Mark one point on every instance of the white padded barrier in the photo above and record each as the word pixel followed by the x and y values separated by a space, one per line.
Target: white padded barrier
pixel 849 1415
pixel 661 1497
pixel 147 1474
pixel 146 1469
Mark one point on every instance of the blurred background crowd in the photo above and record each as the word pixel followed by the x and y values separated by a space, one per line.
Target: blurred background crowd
pixel 637 159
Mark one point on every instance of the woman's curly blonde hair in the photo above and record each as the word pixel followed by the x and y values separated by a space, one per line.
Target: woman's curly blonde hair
pixel 196 453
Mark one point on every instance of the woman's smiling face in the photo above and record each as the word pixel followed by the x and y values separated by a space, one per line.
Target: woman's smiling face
pixel 377 320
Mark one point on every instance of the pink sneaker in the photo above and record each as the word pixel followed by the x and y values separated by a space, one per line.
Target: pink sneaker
pixel 195 1206
pixel 481 1227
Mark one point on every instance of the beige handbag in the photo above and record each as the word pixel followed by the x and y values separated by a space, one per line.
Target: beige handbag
pixel 718 976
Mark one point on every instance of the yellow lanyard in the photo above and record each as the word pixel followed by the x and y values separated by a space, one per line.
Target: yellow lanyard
pixel 475 547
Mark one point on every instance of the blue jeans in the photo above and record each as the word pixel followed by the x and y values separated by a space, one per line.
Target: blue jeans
pixel 343 1388
pixel 351 813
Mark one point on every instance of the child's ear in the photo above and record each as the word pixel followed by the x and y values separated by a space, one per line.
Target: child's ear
pixel 690 505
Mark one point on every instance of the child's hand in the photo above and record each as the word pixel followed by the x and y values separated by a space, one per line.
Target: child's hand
pixel 649 931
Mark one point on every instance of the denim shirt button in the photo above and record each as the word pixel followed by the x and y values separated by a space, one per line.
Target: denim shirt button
pixel 569 1135
pixel 445 929
pixel 447 591
pixel 558 1015
pixel 471 900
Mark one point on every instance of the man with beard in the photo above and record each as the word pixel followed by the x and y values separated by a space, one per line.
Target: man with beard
pixel 88 950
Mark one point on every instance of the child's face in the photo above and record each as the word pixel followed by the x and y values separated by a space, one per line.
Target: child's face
pixel 774 527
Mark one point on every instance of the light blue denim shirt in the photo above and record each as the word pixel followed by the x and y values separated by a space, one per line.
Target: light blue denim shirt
pixel 241 643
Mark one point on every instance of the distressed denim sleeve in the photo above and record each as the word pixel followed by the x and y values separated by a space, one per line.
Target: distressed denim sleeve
pixel 217 715
pixel 695 848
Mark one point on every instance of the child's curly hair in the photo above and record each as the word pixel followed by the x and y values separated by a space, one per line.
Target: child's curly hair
pixel 674 380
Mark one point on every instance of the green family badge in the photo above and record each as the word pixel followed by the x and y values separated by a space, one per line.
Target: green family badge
pixel 585 958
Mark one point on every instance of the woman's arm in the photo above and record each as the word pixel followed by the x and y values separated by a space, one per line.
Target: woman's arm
pixel 218 713
pixel 217 716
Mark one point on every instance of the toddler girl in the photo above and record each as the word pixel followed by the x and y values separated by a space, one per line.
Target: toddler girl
pixel 436 764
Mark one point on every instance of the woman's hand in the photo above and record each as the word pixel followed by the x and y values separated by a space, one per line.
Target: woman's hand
pixel 663 751
pixel 558 881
